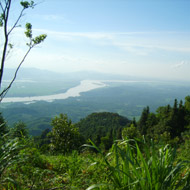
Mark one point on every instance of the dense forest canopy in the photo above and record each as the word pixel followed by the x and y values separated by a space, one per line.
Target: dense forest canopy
pixel 103 123
pixel 154 137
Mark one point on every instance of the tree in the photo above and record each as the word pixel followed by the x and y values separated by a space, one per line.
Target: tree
pixel 187 103
pixel 20 131
pixel 7 29
pixel 64 136
pixel 187 109
pixel 152 121
pixel 119 133
pixel 106 121
pixel 98 137
pixel 142 125
pixel 106 142
pixel 43 141
pixel 131 132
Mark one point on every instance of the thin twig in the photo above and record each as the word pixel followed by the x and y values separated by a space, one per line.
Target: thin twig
pixel 21 14
pixel 1 6
pixel 4 92
pixel 7 5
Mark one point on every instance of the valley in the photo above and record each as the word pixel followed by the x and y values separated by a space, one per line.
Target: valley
pixel 80 94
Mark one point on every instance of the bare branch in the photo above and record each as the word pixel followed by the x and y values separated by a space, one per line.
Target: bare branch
pixel 4 92
pixel 21 14
pixel 7 6
pixel 1 6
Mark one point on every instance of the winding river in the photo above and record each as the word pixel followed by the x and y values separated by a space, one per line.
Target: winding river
pixel 84 86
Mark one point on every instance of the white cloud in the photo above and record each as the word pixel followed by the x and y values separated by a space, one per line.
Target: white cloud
pixel 55 17
pixel 136 53
pixel 134 42
pixel 90 35
pixel 179 65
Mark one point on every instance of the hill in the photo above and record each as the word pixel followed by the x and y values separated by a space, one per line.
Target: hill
pixel 101 124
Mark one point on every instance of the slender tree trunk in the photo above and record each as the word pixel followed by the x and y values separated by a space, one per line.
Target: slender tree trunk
pixel 6 37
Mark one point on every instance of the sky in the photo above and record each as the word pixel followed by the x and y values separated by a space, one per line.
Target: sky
pixel 147 38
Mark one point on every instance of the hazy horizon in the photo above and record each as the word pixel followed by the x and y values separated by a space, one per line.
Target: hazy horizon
pixel 134 38
pixel 24 70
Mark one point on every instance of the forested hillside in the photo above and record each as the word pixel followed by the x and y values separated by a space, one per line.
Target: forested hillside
pixel 59 158
pixel 117 97
pixel 97 125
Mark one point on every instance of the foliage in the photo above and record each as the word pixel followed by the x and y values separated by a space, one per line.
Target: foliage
pixel 124 100
pixel 31 172
pixel 9 155
pixel 185 146
pixel 65 137
pixel 43 141
pixel 131 132
pixel 132 168
pixel 3 127
pixel 187 103
pixel 142 124
pixel 106 142
pixel 26 4
pixel 19 130
pixel 167 124
pixel 33 41
pixel 99 125
pixel 136 163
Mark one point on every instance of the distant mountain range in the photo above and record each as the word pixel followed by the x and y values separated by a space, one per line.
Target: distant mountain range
pixel 36 82
pixel 46 75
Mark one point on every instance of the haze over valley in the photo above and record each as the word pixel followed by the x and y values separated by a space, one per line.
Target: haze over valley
pixel 39 95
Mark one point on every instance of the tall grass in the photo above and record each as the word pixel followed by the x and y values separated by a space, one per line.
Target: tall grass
pixel 134 168
pixel 9 149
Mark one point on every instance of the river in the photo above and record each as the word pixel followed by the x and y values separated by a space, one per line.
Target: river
pixel 84 86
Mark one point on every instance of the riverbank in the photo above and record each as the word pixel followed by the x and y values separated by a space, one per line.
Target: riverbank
pixel 84 86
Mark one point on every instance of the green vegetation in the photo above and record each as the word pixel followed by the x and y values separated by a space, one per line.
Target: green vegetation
pixel 130 167
pixel 121 98
pixel 98 125
pixel 65 137
pixel 151 154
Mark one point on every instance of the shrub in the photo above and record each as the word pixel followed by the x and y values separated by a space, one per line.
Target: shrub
pixel 133 169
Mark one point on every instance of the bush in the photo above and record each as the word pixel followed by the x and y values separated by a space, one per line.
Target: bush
pixel 131 168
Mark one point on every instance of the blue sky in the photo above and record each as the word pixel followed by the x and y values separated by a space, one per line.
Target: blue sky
pixel 148 38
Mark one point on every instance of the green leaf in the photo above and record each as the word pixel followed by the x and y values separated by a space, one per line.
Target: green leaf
pixel 39 39
pixel 26 4
pixel 28 32
pixel 96 186
pixel 1 20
